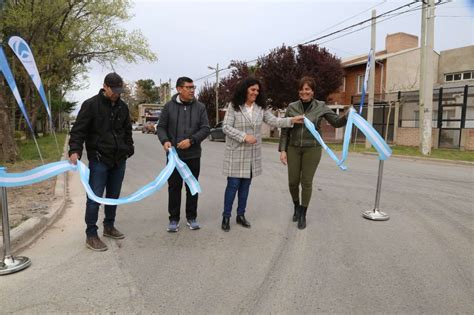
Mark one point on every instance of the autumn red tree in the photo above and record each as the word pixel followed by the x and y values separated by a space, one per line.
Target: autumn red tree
pixel 207 96
pixel 323 66
pixel 280 76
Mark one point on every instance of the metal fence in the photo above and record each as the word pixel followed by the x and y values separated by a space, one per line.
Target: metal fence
pixel 452 111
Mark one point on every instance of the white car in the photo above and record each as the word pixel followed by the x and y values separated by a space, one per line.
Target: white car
pixel 137 127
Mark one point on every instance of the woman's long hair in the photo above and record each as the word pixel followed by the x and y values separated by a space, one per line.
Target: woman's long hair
pixel 240 94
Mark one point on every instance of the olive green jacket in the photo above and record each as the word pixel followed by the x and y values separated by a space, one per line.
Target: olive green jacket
pixel 299 135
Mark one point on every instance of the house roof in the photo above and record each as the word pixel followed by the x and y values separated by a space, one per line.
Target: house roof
pixel 380 55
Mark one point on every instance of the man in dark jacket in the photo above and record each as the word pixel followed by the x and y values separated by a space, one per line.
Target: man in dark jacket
pixel 184 125
pixel 103 123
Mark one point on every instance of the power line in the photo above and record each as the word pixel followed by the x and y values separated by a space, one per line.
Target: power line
pixel 349 18
pixel 389 14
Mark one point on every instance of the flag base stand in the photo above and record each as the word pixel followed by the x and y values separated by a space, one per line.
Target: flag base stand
pixel 12 264
pixel 9 264
pixel 375 215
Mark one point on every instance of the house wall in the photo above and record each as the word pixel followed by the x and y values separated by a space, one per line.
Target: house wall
pixel 456 60
pixel 351 75
pixel 403 71
pixel 400 41
pixel 411 137
pixel 467 140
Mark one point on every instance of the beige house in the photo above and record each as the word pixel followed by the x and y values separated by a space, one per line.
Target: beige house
pixel 149 112
pixel 397 72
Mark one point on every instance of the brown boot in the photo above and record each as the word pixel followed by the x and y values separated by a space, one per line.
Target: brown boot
pixel 94 243
pixel 112 232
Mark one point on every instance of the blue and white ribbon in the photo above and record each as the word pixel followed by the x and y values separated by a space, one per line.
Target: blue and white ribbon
pixel 370 133
pixel 50 170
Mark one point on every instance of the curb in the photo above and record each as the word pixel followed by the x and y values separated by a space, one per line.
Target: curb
pixel 30 230
pixel 428 159
pixel 409 157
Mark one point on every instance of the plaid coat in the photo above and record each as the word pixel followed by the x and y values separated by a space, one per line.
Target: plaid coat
pixel 241 159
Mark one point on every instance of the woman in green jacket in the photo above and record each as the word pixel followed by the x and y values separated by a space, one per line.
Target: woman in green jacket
pixel 300 150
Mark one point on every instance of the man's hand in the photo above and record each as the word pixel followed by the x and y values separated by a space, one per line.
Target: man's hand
pixel 183 145
pixel 298 119
pixel 250 139
pixel 167 145
pixel 283 158
pixel 73 158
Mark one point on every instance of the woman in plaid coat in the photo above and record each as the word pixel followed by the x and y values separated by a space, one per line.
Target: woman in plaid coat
pixel 243 152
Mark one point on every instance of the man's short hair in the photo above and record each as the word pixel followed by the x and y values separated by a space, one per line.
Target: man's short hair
pixel 182 80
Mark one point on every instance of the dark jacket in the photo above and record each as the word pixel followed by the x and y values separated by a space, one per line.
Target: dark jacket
pixel 106 130
pixel 299 135
pixel 180 121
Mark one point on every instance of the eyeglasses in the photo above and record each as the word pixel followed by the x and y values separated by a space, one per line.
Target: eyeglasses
pixel 189 87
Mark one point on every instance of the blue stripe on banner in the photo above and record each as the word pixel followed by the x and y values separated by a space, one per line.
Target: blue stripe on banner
pixel 50 170
pixel 12 84
pixel 370 133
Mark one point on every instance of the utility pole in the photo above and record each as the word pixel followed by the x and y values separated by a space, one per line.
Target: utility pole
pixel 216 88
pixel 422 71
pixel 426 77
pixel 370 107
pixel 168 94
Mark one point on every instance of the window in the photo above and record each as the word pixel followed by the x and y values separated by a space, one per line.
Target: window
pixel 343 89
pixel 360 83
pixel 459 76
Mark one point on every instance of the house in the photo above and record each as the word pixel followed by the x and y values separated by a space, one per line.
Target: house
pixel 396 99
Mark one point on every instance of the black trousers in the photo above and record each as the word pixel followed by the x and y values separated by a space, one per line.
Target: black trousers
pixel 175 186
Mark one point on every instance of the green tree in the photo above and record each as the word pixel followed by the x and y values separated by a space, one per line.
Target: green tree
pixel 146 91
pixel 65 36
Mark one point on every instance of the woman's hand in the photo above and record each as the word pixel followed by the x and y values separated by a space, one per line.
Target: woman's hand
pixel 283 158
pixel 298 119
pixel 250 139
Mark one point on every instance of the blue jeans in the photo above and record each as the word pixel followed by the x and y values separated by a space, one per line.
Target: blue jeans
pixel 234 185
pixel 103 177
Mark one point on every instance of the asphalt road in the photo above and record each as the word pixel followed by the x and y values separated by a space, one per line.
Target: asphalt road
pixel 420 261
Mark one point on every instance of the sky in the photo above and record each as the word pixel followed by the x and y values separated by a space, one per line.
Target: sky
pixel 190 35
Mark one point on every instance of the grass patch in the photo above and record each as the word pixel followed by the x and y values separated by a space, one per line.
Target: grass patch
pixel 28 155
pixel 445 154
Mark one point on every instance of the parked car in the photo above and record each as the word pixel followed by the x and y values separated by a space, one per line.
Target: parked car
pixel 217 133
pixel 137 127
pixel 148 127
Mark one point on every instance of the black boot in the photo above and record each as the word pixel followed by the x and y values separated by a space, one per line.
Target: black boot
pixel 296 213
pixel 302 218
pixel 226 224
pixel 243 221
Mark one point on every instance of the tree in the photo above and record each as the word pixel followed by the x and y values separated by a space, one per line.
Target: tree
pixel 129 97
pixel 323 66
pixel 280 76
pixel 207 96
pixel 146 91
pixel 283 68
pixel 65 35
pixel 227 85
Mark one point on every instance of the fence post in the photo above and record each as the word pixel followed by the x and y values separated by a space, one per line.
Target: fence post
pixel 9 264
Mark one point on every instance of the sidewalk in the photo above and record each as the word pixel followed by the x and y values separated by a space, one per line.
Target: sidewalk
pixel 44 212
